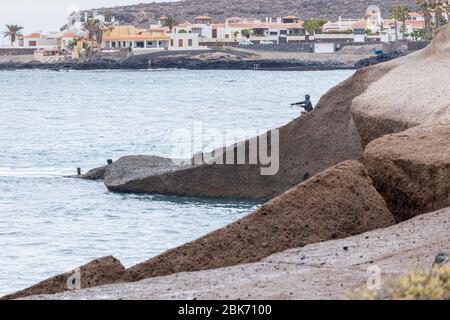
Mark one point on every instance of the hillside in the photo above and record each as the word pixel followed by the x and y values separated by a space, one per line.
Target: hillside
pixel 143 14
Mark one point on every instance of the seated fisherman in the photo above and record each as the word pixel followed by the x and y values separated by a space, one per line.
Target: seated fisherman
pixel 307 104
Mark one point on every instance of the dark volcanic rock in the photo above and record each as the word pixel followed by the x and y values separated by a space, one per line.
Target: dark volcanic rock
pixel 336 203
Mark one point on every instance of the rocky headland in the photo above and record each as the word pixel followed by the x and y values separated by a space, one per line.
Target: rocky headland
pixel 364 180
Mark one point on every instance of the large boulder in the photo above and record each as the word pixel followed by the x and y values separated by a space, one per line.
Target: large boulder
pixel 98 272
pixel 411 169
pixel 132 168
pixel 414 91
pixel 336 203
pixel 307 146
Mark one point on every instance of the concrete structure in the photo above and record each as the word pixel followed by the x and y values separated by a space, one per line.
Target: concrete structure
pixel 204 31
pixel 324 47
pixel 184 41
pixel 340 26
pixel 48 55
pixel 39 41
pixel 202 20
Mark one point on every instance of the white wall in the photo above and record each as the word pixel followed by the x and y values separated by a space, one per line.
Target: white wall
pixel 324 47
pixel 184 41
pixel 359 38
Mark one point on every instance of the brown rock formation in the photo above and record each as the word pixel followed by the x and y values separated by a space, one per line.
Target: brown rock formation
pixel 382 99
pixel 414 91
pixel 336 203
pixel 308 145
pixel 411 169
pixel 98 272
pixel 319 271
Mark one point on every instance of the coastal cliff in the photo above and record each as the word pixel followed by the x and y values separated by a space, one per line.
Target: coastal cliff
pixel 402 143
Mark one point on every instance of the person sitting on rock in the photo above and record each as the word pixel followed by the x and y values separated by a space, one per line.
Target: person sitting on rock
pixel 307 104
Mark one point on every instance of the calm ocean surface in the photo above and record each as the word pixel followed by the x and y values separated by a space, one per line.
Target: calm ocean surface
pixel 52 122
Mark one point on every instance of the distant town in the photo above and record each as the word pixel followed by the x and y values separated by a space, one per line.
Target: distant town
pixel 92 31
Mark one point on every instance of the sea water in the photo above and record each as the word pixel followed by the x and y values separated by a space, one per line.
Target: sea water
pixel 53 122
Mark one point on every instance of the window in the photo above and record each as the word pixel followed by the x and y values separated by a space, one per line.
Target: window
pixel 180 43
pixel 140 44
pixel 171 42
pixel 190 42
pixel 32 43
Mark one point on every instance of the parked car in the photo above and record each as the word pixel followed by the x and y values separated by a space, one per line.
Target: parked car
pixel 245 42
pixel 265 42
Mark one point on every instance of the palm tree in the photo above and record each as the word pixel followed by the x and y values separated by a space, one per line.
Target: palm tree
pixel 426 6
pixel 440 7
pixel 99 35
pixel 436 6
pixel 399 13
pixel 12 32
pixel 94 30
pixel 170 22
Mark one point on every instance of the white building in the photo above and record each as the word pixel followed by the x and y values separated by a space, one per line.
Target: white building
pixel 76 20
pixel 342 25
pixel 185 41
pixel 141 41
pixel 204 31
pixel 38 40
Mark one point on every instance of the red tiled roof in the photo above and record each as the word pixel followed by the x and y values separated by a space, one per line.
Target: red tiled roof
pixel 261 25
pixel 35 35
pixel 185 24
pixel 202 18
pixel 415 24
pixel 70 35
pixel 360 25
pixel 414 14
pixel 129 37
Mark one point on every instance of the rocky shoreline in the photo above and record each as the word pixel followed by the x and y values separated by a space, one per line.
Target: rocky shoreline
pixel 141 63
pixel 369 168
